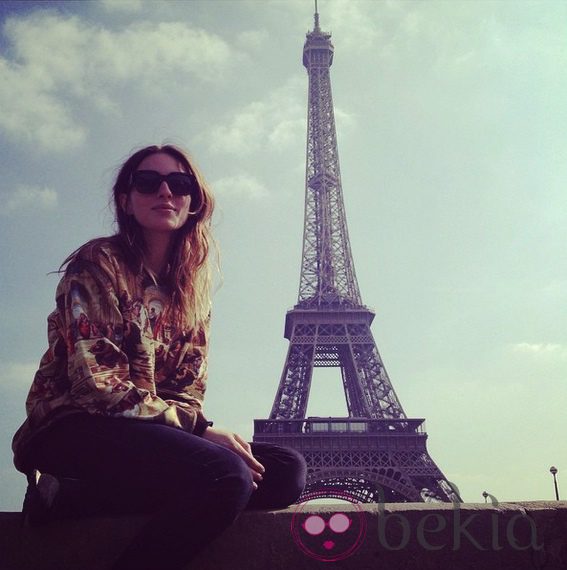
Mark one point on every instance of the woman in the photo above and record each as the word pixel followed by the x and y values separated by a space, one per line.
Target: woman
pixel 115 420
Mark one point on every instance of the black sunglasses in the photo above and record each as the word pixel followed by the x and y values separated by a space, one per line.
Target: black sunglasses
pixel 180 184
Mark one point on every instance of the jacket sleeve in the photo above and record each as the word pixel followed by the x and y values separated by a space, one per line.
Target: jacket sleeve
pixel 110 358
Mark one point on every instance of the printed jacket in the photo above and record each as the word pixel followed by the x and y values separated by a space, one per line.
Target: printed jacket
pixel 113 352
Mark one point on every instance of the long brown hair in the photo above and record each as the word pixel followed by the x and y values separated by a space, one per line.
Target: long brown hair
pixel 187 274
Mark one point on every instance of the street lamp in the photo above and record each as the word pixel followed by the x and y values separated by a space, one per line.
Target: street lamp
pixel 485 495
pixel 553 471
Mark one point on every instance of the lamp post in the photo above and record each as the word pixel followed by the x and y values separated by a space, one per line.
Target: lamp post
pixel 553 471
pixel 485 495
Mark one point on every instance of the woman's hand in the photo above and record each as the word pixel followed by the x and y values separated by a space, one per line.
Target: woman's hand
pixel 237 444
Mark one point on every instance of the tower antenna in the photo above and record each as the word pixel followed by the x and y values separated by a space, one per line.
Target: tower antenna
pixel 316 17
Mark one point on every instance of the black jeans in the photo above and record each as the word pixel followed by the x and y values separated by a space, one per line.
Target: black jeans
pixel 193 488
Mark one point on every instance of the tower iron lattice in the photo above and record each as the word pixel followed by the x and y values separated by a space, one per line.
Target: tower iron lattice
pixel 377 453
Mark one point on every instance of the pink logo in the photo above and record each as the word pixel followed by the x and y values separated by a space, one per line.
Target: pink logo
pixel 328 536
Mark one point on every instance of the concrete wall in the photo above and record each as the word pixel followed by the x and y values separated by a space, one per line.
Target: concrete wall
pixel 414 536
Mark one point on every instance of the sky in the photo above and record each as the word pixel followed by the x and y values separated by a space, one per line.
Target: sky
pixel 451 122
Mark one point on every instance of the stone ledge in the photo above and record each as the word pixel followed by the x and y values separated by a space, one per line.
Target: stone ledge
pixel 410 536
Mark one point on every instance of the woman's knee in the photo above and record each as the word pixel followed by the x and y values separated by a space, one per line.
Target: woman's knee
pixel 286 470
pixel 296 476
pixel 225 476
pixel 231 466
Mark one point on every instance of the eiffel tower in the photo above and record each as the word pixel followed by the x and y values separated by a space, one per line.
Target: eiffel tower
pixel 377 453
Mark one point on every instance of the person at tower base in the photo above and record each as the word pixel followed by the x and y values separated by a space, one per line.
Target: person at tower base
pixel 115 421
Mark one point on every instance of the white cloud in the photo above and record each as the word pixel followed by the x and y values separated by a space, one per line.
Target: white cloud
pixel 356 23
pixel 555 288
pixel 446 35
pixel 30 197
pixel 30 112
pixel 278 120
pixel 252 39
pixel 121 5
pixel 242 135
pixel 60 62
pixel 240 185
pixel 540 348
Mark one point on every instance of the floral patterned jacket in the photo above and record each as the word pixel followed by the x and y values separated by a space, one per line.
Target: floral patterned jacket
pixel 113 352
